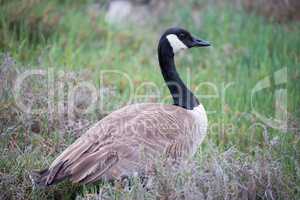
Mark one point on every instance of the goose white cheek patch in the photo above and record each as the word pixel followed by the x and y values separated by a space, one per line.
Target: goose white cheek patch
pixel 176 43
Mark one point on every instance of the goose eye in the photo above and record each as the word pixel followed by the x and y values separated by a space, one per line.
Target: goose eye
pixel 182 35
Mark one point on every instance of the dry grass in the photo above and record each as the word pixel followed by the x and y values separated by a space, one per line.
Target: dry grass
pixel 217 176
pixel 23 16
pixel 279 10
pixel 283 11
pixel 34 95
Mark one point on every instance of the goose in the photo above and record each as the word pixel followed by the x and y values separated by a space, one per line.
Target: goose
pixel 126 142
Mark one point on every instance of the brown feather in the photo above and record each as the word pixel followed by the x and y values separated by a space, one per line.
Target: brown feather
pixel 127 140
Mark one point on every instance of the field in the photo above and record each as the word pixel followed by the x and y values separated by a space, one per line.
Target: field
pixel 248 81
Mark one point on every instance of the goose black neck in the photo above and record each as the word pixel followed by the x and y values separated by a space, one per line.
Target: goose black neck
pixel 182 96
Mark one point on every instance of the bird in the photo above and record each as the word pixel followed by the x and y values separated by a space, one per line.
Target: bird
pixel 126 142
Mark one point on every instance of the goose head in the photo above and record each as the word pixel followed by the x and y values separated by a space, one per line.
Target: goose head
pixel 177 39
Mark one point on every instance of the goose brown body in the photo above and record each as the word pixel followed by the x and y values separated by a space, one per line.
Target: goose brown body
pixel 128 141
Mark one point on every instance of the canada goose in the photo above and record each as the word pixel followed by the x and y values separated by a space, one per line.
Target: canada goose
pixel 126 142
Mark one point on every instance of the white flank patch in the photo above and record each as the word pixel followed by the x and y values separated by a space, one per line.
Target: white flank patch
pixel 200 117
pixel 176 43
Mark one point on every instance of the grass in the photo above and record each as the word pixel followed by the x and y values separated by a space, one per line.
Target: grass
pixel 242 156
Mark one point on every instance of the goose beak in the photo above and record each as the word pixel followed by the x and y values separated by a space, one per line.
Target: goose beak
pixel 199 43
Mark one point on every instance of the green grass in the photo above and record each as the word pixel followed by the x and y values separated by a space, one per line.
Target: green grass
pixel 246 48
